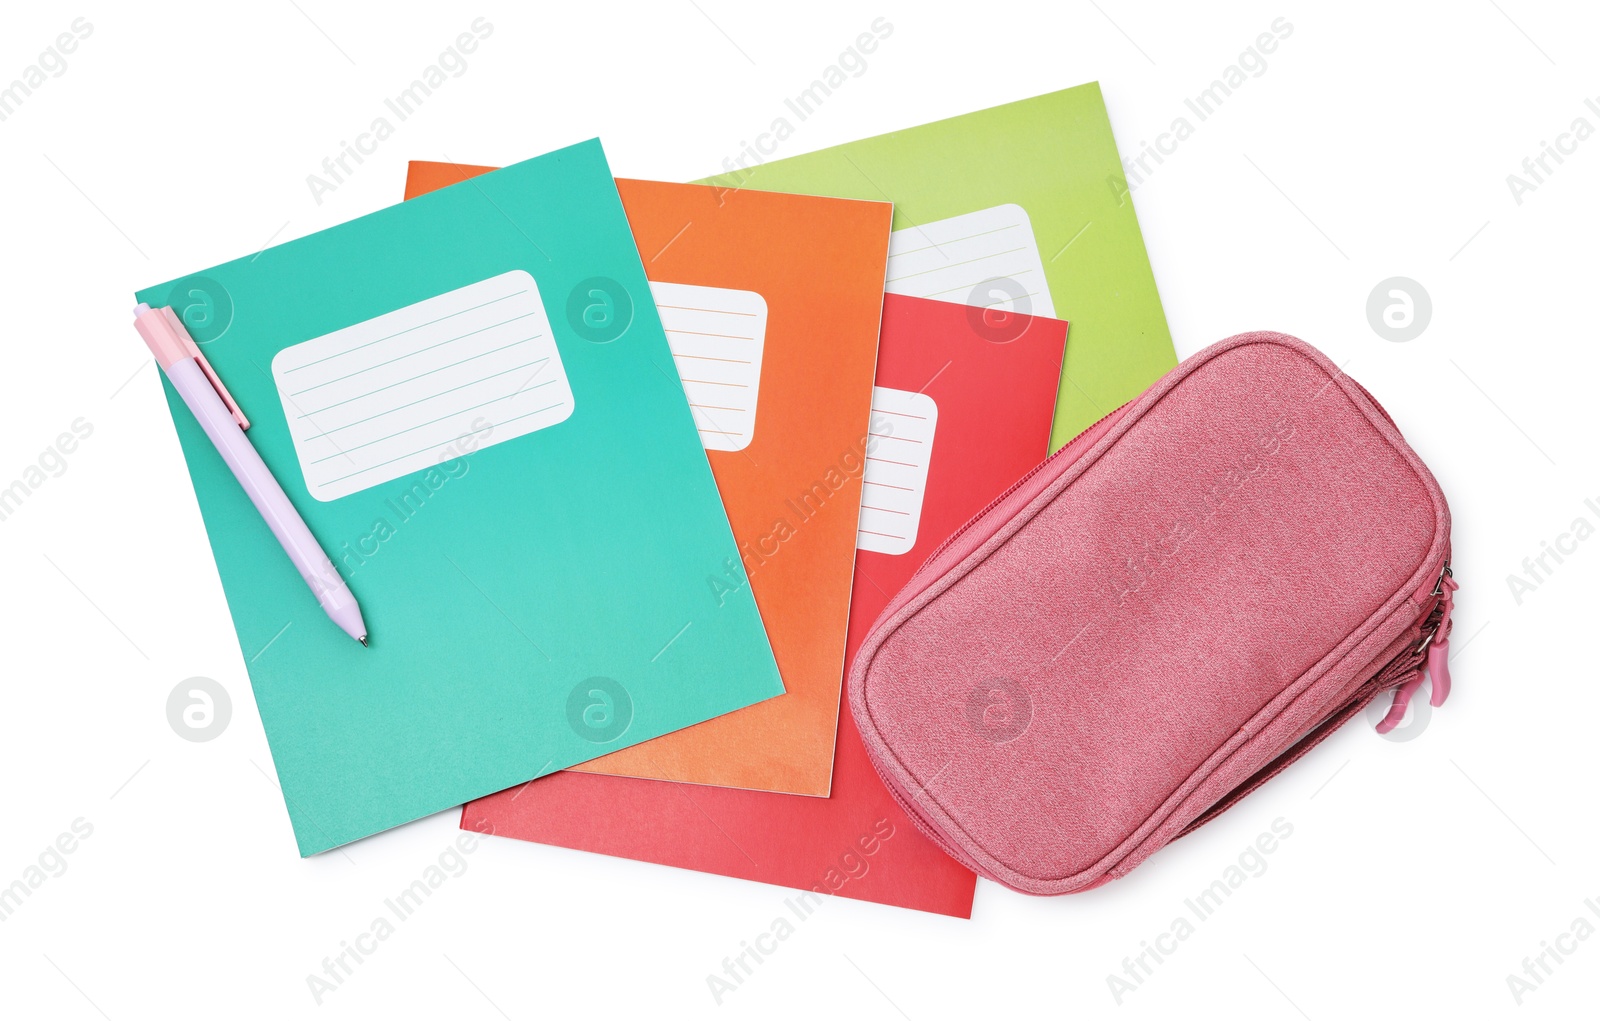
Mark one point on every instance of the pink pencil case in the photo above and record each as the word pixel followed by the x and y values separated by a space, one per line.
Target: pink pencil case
pixel 1160 617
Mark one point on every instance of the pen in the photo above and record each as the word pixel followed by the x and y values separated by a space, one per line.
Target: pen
pixel 198 385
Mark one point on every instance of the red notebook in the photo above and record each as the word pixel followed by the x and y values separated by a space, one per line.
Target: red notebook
pixel 962 408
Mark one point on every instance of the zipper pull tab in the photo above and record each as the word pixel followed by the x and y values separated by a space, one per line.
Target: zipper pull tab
pixel 1437 644
pixel 1439 647
pixel 1397 708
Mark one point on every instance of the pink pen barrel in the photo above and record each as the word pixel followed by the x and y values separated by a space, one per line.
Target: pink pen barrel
pixel 222 425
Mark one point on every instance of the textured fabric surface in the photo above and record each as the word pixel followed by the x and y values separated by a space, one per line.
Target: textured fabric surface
pixel 1153 617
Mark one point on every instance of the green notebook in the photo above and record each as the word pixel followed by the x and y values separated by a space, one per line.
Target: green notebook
pixel 1018 207
pixel 470 399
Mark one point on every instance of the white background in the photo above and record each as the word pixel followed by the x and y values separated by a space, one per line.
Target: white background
pixel 1377 143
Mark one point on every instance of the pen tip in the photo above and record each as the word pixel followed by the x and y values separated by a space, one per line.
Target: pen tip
pixel 363 641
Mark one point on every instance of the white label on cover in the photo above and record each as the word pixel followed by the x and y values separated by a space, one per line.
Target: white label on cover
pixel 422 385
pixel 717 335
pixel 899 447
pixel 988 258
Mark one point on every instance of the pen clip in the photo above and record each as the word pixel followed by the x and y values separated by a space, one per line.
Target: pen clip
pixel 211 374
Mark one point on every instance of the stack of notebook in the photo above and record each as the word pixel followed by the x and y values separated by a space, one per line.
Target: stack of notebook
pixel 622 471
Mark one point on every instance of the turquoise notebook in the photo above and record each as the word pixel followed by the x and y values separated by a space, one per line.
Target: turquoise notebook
pixel 470 400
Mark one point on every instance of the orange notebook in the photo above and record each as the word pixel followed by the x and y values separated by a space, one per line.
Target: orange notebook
pixel 771 305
